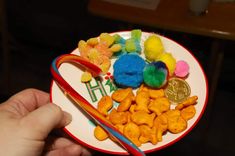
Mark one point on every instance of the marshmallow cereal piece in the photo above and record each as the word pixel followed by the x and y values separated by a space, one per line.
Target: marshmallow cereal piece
pixel 86 77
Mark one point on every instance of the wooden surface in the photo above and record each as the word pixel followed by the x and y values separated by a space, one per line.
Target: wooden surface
pixel 173 15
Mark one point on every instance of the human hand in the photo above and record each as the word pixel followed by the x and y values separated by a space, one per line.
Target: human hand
pixel 26 120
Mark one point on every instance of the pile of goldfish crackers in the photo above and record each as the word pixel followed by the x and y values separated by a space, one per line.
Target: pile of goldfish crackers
pixel 146 116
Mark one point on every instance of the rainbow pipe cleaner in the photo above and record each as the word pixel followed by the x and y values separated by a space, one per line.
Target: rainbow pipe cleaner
pixel 84 104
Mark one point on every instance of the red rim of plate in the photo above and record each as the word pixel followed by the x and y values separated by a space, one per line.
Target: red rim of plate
pixel 157 148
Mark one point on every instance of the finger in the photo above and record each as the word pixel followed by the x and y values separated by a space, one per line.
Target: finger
pixel 53 143
pixel 72 150
pixel 40 122
pixel 27 101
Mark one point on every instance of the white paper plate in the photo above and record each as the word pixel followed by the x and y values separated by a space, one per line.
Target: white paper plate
pixel 82 129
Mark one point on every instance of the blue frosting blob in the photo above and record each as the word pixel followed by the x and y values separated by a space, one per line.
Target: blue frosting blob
pixel 128 70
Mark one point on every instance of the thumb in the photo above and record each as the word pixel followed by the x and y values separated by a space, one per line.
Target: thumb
pixel 40 122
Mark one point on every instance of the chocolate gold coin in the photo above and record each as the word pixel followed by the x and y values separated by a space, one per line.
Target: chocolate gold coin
pixel 177 90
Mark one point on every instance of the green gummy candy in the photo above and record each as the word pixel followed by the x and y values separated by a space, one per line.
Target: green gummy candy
pixel 136 34
pixel 116 37
pixel 130 45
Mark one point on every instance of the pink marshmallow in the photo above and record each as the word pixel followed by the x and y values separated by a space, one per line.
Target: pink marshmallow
pixel 182 68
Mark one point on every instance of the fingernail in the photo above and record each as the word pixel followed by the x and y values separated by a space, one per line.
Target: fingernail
pixel 67 117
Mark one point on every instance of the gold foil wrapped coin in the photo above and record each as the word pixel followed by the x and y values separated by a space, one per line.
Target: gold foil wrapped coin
pixel 177 90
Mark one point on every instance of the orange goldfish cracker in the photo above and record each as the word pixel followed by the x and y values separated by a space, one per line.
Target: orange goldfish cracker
pixel 142 88
pixel 190 101
pixel 120 127
pixel 160 122
pixel 100 133
pixel 188 112
pixel 132 108
pixel 176 123
pixel 159 105
pixel 86 77
pixel 172 113
pixel 92 41
pixel 156 93
pixel 118 117
pixel 132 132
pixel 147 134
pixel 161 125
pixel 142 117
pixel 125 104
pixel 120 94
pixel 128 114
pixel 104 105
pixel 142 101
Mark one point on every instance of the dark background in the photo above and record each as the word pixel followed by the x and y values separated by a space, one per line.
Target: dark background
pixel 38 31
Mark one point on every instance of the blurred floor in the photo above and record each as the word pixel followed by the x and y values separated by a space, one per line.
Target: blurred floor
pixel 30 64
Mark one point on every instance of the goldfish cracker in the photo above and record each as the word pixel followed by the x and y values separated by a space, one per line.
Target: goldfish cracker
pixel 120 127
pixel 125 104
pixel 142 88
pixel 107 39
pixel 172 113
pixel 189 101
pixel 100 133
pixel 177 124
pixel 86 77
pixel 169 60
pixel 104 105
pixel 188 112
pixel 159 105
pixel 132 108
pixel 92 41
pixel 120 94
pixel 142 117
pixel 161 124
pixel 153 48
pixel 148 134
pixel 142 101
pixel 156 93
pixel 118 117
pixel 132 132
